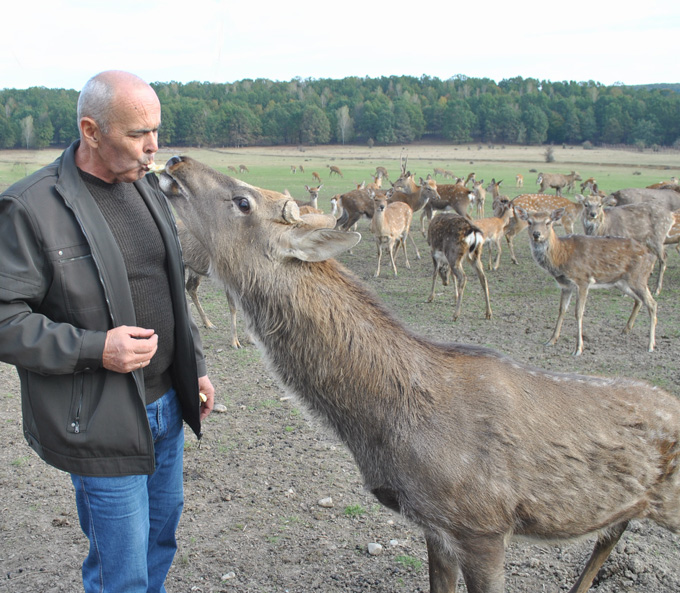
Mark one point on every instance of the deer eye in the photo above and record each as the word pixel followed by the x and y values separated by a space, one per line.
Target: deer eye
pixel 242 204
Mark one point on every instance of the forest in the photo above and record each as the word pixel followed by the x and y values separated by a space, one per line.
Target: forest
pixel 383 111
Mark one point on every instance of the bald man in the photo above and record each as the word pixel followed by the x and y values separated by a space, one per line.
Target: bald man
pixel 93 315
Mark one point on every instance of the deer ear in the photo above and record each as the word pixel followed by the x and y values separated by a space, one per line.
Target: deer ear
pixel 314 245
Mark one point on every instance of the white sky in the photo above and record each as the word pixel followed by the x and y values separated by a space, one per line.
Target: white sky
pixel 62 44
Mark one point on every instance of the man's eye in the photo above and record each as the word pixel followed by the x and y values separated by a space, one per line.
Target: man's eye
pixel 242 204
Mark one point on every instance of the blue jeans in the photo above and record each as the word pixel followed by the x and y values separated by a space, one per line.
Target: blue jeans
pixel 131 520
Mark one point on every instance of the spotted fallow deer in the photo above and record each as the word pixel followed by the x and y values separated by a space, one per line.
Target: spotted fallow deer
pixel 468 444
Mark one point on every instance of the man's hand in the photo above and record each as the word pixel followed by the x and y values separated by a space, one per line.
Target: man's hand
pixel 129 348
pixel 206 388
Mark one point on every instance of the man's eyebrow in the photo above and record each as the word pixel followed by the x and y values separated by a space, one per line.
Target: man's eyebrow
pixel 145 130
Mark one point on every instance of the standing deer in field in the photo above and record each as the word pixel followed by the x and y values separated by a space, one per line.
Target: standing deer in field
pixel 334 169
pixel 557 181
pixel 452 239
pixel 536 203
pixel 311 206
pixel 390 225
pixel 493 230
pixel 470 445
pixel 519 180
pixel 646 222
pixel 452 196
pixel 581 262
pixel 479 197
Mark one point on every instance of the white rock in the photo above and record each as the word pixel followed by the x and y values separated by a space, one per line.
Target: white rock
pixel 375 549
pixel 326 503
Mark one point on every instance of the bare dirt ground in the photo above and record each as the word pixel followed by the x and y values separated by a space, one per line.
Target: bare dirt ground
pixel 252 520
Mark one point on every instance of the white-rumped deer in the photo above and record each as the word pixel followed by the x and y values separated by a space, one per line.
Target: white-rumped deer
pixel 581 262
pixel 557 181
pixel 390 225
pixel 453 239
pixel 479 196
pixel 470 445
pixel 647 222
pixel 333 169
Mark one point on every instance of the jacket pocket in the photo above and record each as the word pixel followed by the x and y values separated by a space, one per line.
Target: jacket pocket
pixel 84 400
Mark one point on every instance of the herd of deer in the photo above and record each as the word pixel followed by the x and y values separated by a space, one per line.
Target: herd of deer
pixel 470 445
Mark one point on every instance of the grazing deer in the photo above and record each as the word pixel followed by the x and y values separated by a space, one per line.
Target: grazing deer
pixel 519 180
pixel 453 238
pixel 581 262
pixel 243 169
pixel 315 175
pixel 293 169
pixel 197 266
pixel 470 445
pixel 233 169
pixel 334 169
pixel 536 203
pixel 588 185
pixel 647 222
pixel 439 171
pixel 390 225
pixel 301 168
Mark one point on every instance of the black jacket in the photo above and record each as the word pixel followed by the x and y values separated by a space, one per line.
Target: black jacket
pixel 63 284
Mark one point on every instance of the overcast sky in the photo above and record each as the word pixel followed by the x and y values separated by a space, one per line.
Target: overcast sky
pixel 62 44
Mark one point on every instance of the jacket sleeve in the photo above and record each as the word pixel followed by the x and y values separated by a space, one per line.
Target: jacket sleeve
pixel 29 338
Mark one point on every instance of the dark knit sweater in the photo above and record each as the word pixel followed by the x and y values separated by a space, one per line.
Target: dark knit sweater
pixel 143 251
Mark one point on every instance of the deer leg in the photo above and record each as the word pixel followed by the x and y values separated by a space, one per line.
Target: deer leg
pixel 661 256
pixel 509 239
pixel 443 568
pixel 402 242
pixel 603 547
pixel 633 315
pixel 391 248
pixel 565 298
pixel 461 280
pixel 581 296
pixel 414 246
pixel 481 561
pixel 379 247
pixel 650 303
pixel 232 310
pixel 498 255
pixel 193 281
pixel 477 263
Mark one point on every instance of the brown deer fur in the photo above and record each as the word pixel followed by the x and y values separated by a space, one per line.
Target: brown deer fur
pixel 465 442
pixel 452 239
pixel 580 262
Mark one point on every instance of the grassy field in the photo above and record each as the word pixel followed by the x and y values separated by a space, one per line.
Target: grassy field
pixel 270 167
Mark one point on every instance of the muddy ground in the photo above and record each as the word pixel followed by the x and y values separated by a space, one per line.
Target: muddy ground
pixel 253 522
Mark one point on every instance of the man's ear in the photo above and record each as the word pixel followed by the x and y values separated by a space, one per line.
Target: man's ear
pixel 90 132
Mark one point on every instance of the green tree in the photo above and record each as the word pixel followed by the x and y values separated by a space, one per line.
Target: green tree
pixel 314 127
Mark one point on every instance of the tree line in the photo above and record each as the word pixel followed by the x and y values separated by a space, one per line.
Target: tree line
pixel 385 110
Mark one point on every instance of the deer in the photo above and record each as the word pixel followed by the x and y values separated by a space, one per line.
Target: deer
pixel 233 169
pixel 493 230
pixel 536 203
pixel 470 445
pixel 197 267
pixel 452 196
pixel 557 181
pixel 381 172
pixel 334 169
pixel 646 222
pixel 519 180
pixel 673 181
pixel 588 185
pixel 390 225
pixel 301 168
pixel 581 262
pixel 243 169
pixel 353 205
pixel 479 197
pixel 311 206
pixel 316 177
pixel 293 169
pixel 668 198
pixel 453 238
